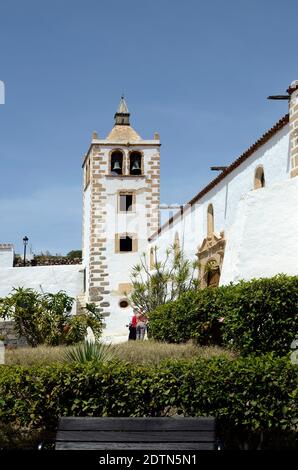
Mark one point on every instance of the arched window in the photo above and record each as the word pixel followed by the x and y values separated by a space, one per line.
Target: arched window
pixel 135 163
pixel 210 220
pixel 176 244
pixel 117 163
pixel 259 181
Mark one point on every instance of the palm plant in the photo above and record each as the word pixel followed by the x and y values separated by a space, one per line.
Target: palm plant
pixel 89 352
pixel 165 281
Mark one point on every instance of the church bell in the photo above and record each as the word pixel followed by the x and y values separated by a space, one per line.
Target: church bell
pixel 116 166
pixel 135 166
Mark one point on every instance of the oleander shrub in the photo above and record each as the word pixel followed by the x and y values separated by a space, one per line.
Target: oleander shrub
pixel 255 393
pixel 252 316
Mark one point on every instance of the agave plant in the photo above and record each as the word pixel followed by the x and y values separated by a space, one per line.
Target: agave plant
pixel 87 352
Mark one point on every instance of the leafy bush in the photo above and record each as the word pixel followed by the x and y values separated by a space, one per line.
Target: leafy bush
pixel 13 437
pixel 78 324
pixel 256 316
pixel 47 319
pixel 262 315
pixel 73 254
pixel 193 316
pixel 255 393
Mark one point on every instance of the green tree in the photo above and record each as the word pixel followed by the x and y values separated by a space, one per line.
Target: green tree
pixel 74 254
pixel 162 282
pixel 47 318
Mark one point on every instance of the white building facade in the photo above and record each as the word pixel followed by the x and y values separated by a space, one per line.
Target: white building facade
pixel 242 225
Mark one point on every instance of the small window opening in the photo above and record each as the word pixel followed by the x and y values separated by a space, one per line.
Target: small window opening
pixel 125 243
pixel 123 303
pixel 126 201
pixel 259 178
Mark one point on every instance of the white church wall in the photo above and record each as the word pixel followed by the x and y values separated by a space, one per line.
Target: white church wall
pixel 6 255
pixel 68 278
pixel 273 156
pixel 263 239
pixel 225 196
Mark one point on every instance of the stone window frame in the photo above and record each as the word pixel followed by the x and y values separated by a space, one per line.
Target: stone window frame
pixel 123 161
pixel 211 251
pixel 259 177
pixel 124 288
pixel 133 236
pixel 128 192
pixel 142 162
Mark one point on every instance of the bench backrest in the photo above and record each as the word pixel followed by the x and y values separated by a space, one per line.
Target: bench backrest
pixel 136 433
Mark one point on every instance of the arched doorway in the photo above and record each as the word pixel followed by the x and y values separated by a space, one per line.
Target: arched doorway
pixel 210 256
pixel 212 274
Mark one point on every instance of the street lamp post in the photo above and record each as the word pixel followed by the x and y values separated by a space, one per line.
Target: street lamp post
pixel 25 242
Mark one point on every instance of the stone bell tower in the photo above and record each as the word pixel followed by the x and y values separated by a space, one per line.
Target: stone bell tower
pixel 120 211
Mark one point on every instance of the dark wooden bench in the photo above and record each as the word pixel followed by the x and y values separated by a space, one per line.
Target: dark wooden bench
pixel 135 433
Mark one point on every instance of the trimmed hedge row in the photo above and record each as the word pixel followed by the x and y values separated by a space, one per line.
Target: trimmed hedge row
pixel 257 393
pixel 258 316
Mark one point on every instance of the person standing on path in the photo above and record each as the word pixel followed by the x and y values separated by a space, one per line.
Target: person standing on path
pixel 142 321
pixel 132 327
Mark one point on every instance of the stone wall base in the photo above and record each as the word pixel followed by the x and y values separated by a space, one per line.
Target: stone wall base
pixel 9 335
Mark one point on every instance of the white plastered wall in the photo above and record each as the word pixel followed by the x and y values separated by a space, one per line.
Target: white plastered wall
pixel 68 278
pixel 263 240
pixel 226 196
pixel 6 257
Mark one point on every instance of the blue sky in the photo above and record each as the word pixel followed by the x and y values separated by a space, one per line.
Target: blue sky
pixel 198 72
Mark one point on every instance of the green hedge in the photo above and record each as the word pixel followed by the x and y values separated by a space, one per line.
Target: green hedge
pixel 258 316
pixel 257 393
